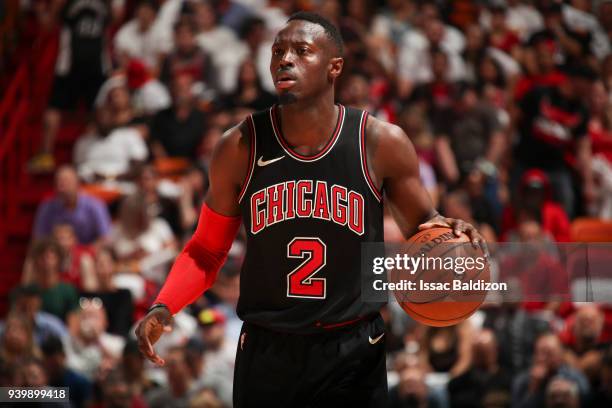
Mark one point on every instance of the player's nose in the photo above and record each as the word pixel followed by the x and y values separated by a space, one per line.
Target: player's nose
pixel 286 60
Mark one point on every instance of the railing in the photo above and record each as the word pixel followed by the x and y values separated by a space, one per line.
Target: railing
pixel 10 10
pixel 13 120
pixel 21 110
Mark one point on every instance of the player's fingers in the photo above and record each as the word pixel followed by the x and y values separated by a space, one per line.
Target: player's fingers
pixel 485 249
pixel 474 236
pixel 144 342
pixel 434 224
pixel 158 360
pixel 167 328
pixel 145 346
pixel 475 243
pixel 425 226
pixel 459 227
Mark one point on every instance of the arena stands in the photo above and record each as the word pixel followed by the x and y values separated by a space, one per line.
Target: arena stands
pixel 110 111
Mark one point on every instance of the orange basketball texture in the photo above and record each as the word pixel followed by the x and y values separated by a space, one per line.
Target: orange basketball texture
pixel 437 308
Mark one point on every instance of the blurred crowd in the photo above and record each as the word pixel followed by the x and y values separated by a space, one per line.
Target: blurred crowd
pixel 507 102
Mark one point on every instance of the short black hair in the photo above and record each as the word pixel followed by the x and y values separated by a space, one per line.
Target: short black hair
pixel 22 291
pixel 248 25
pixel 330 29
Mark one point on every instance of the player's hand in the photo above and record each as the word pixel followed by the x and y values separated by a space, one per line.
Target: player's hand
pixel 459 227
pixel 150 329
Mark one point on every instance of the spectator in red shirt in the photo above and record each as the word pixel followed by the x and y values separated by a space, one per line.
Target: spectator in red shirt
pixel 535 192
pixel 553 124
pixel 78 267
pixel 501 36
pixel 539 61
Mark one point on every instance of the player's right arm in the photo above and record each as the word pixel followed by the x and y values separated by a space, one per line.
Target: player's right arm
pixel 196 267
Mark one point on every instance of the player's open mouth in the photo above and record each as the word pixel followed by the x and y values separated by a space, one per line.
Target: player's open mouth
pixel 285 81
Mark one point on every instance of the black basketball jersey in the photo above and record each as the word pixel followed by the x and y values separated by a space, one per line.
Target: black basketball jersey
pixel 82 41
pixel 306 218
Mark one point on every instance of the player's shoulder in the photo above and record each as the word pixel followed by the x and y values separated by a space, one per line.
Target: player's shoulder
pixel 232 154
pixel 389 148
pixel 236 139
pixel 382 133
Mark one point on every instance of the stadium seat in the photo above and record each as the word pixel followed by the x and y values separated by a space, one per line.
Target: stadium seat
pixel 108 195
pixel 591 230
pixel 171 166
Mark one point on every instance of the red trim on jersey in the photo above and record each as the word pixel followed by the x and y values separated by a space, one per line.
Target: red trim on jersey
pixel 341 324
pixel 252 154
pixel 330 143
pixel 364 161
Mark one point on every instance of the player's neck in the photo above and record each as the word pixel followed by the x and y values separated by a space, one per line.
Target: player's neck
pixel 308 123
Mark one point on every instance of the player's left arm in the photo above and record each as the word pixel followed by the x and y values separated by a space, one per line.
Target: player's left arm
pixel 394 165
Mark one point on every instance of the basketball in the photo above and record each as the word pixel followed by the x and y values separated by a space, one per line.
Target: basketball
pixel 447 287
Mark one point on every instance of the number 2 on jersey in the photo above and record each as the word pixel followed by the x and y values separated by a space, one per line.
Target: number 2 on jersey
pixel 300 281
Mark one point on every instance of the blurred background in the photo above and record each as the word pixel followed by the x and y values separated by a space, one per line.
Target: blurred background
pixel 109 113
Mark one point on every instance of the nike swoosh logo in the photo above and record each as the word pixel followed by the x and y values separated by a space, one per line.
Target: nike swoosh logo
pixel 261 162
pixel 376 339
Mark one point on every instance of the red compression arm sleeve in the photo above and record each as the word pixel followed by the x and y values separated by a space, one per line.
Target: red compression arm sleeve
pixel 196 267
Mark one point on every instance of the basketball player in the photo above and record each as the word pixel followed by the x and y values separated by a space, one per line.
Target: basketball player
pixel 307 179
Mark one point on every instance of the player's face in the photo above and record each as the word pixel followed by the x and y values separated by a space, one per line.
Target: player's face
pixel 303 63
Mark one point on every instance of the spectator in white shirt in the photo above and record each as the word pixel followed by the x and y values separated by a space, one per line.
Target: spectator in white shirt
pixel 169 13
pixel 115 95
pixel 220 42
pixel 275 15
pixel 521 17
pixel 142 38
pixel 414 64
pixel 106 152
pixel 143 243
pixel 90 350
pixel 149 95
pixel 578 17
pixel 253 33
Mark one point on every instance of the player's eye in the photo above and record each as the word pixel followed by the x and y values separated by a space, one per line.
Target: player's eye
pixel 302 50
pixel 277 52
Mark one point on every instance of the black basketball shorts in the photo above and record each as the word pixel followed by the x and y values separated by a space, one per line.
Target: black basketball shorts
pixel 69 90
pixel 342 367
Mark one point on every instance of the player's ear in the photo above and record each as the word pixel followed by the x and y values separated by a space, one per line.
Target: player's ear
pixel 335 67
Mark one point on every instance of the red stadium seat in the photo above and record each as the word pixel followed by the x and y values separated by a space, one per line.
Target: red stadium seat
pixel 105 194
pixel 591 230
pixel 171 167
